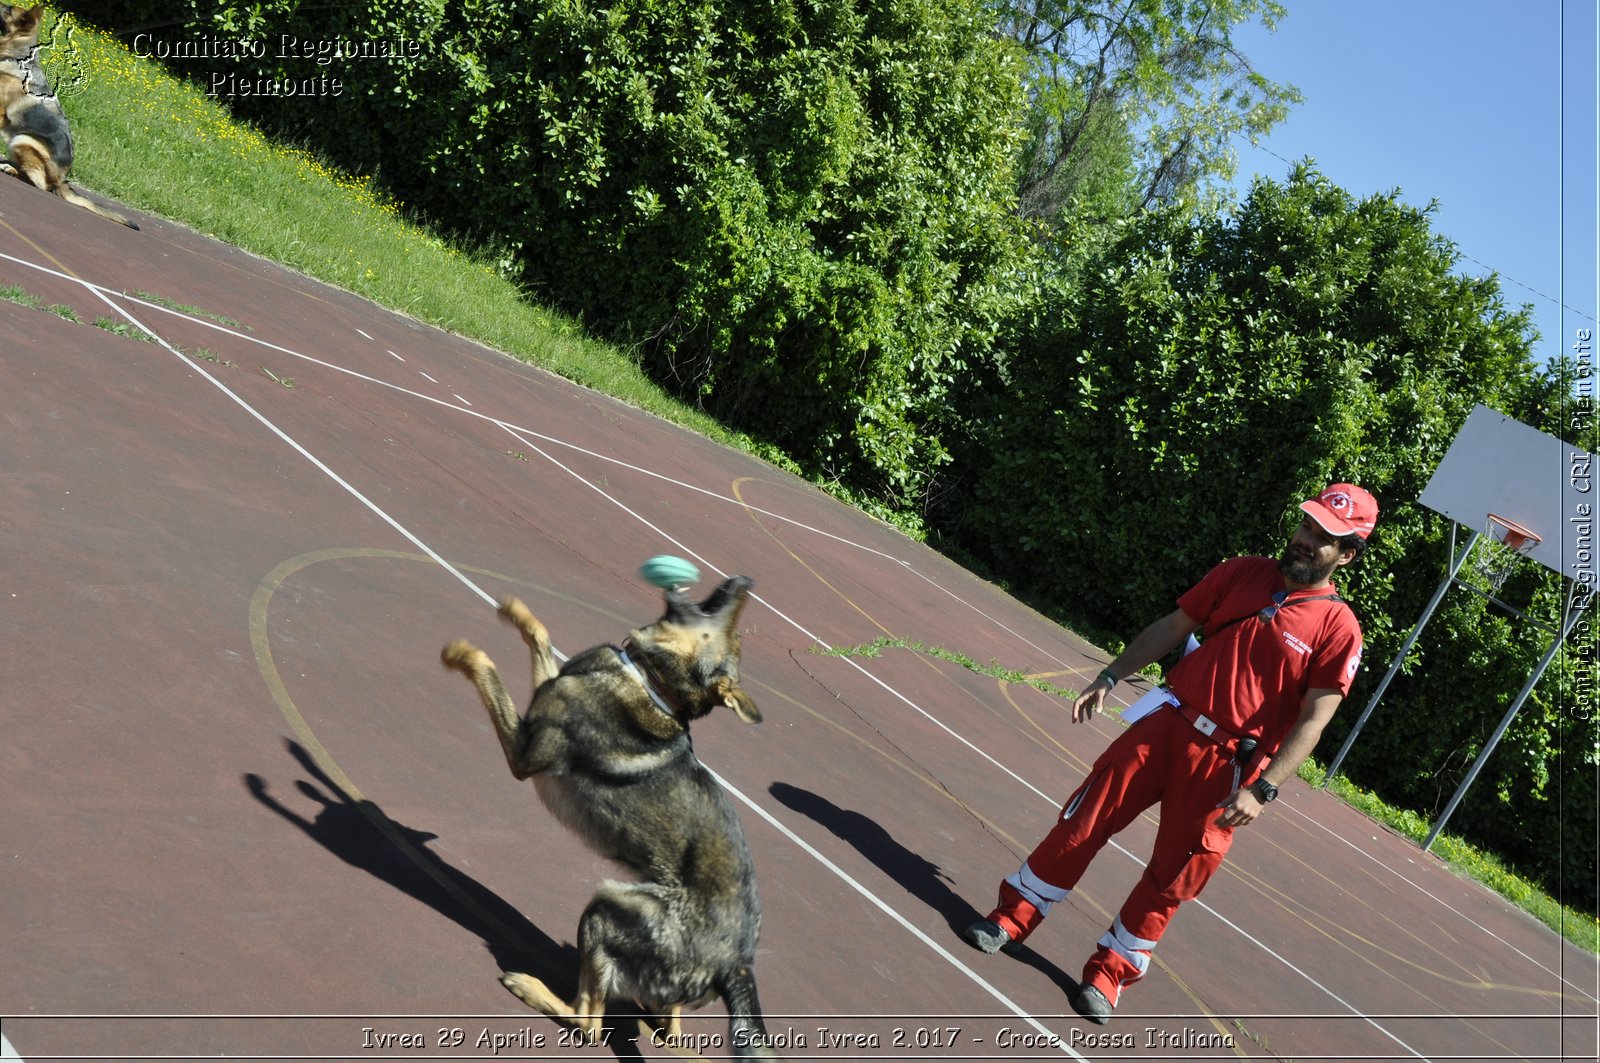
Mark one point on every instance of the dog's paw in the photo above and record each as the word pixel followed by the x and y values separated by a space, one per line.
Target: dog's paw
pixel 522 618
pixel 463 656
pixel 515 611
pixel 536 995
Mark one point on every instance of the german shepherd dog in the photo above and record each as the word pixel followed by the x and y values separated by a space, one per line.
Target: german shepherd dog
pixel 606 742
pixel 38 142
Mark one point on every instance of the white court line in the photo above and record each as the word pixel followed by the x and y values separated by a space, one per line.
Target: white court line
pixel 460 399
pixel 426 377
pixel 281 434
pixel 100 293
pixel 1397 873
pixel 1056 1040
pixel 262 419
pixel 396 357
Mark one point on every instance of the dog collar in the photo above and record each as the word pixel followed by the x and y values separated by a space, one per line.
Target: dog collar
pixel 31 74
pixel 641 672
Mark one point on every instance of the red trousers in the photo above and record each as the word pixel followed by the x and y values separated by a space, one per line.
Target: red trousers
pixel 1162 758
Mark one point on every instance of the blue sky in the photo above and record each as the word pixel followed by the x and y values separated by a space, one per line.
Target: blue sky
pixel 1459 101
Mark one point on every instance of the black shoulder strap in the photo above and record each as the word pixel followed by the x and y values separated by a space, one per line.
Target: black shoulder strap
pixel 1314 598
pixel 1280 605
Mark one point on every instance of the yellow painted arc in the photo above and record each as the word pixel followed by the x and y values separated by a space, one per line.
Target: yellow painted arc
pixel 260 643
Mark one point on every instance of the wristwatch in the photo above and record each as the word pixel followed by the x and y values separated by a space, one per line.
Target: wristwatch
pixel 1265 792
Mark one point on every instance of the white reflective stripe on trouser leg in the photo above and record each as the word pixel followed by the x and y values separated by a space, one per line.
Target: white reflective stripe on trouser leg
pixel 1077 799
pixel 1133 949
pixel 1035 890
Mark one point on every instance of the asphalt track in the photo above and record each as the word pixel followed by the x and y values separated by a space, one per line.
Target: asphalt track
pixel 247 813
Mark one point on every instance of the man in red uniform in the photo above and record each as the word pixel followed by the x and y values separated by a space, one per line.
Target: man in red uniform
pixel 1234 722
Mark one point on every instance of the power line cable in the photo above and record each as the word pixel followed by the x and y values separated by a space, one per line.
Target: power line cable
pixel 1459 253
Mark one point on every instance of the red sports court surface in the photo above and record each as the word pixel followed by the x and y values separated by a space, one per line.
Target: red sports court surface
pixel 247 813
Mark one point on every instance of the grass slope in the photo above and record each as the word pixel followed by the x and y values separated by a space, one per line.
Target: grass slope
pixel 151 140
pixel 157 143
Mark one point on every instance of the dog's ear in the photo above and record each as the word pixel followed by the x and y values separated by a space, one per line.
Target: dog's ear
pixel 21 21
pixel 742 704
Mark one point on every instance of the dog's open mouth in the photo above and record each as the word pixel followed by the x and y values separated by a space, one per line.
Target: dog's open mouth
pixel 722 605
pixel 732 591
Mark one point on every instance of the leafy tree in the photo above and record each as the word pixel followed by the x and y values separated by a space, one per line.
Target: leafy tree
pixel 1135 102
pixel 1179 387
pixel 1195 369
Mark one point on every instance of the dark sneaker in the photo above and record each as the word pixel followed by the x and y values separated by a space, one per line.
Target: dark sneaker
pixel 1091 1004
pixel 988 936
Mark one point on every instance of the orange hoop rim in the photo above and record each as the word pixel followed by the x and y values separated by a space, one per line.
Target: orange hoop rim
pixel 1511 535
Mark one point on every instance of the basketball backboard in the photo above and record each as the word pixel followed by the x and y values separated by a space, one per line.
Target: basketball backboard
pixel 1500 465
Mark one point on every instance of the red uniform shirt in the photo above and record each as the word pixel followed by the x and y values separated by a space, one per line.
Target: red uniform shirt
pixel 1252 676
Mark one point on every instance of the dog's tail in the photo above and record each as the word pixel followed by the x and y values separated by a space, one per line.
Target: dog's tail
pixel 32 158
pixel 747 1032
pixel 73 196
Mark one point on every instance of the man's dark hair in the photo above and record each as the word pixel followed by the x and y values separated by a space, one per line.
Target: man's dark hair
pixel 1353 542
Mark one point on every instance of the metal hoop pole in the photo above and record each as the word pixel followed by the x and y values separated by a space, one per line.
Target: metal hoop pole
pixel 1574 609
pixel 1399 658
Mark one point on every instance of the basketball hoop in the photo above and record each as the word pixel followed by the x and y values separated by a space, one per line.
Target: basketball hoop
pixel 1507 543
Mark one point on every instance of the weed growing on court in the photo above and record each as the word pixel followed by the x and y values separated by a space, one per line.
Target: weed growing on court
pixel 184 308
pixel 876 647
pixel 122 328
pixel 281 381
pixel 206 355
pixel 15 293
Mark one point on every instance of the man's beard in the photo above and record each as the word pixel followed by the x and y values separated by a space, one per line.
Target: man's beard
pixel 1302 569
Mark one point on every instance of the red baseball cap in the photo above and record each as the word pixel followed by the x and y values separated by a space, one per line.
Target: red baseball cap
pixel 1344 509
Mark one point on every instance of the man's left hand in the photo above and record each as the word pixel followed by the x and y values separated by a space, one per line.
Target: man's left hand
pixel 1241 809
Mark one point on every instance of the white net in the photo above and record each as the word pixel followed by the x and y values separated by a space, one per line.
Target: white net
pixel 1505 544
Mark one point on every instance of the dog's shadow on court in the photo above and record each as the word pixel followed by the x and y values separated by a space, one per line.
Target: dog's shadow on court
pixel 358 832
pixel 919 876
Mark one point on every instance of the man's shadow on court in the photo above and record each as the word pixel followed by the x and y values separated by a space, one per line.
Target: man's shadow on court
pixel 359 833
pixel 919 876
